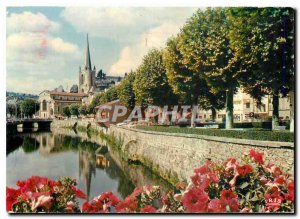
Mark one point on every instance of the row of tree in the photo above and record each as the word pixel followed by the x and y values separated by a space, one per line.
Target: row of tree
pixel 217 51
pixel 22 108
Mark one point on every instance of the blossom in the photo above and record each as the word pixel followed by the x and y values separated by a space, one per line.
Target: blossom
pixel 128 205
pixel 78 193
pixel 290 195
pixel 148 209
pixel 256 156
pixel 230 199
pixel 109 199
pixel 216 206
pixel 273 201
pixel 244 170
pixel 195 200
pixel 42 201
pixel 11 197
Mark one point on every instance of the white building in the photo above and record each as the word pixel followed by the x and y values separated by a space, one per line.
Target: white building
pixel 246 109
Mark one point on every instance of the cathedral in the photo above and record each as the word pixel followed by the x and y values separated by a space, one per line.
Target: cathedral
pixel 89 82
pixel 87 74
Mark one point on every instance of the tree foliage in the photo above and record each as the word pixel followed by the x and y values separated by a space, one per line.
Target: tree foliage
pixel 29 107
pixel 151 84
pixel 126 93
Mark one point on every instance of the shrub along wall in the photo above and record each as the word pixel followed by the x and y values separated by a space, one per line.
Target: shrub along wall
pixel 282 136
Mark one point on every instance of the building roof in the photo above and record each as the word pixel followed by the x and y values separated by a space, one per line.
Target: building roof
pixel 68 94
pixel 107 104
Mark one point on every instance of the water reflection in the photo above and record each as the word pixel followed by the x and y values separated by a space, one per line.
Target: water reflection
pixel 95 167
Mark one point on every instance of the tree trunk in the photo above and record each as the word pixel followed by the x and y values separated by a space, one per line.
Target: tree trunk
pixel 275 114
pixel 229 109
pixel 213 113
pixel 193 117
pixel 292 111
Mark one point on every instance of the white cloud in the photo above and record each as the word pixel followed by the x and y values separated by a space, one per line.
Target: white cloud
pixel 131 57
pixel 30 22
pixel 122 24
pixel 36 60
pixel 137 29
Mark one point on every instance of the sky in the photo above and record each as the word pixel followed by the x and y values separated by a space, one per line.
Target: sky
pixel 46 45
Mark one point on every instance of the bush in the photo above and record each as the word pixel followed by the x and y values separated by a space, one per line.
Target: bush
pixel 282 136
pixel 262 125
pixel 246 187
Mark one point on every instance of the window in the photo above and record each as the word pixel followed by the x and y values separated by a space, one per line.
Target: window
pixel 44 105
pixel 247 105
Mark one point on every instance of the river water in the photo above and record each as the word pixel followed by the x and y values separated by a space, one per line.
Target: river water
pixel 68 153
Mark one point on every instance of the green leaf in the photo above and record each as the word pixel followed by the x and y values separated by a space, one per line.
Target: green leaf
pixel 244 185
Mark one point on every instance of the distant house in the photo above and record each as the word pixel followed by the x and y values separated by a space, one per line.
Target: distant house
pixel 52 102
pixel 105 112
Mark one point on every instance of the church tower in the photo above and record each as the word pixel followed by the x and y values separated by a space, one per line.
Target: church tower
pixel 87 74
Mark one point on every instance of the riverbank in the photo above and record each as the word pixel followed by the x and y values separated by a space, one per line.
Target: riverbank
pixel 173 156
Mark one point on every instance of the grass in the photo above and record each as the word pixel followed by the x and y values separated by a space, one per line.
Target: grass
pixel 253 134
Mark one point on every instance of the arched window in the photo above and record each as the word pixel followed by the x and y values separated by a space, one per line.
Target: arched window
pixel 82 79
pixel 44 105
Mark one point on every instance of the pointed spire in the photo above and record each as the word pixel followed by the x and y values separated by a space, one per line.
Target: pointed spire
pixel 87 55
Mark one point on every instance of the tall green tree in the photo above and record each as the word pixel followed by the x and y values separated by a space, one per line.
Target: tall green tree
pixel 110 94
pixel 74 109
pixel 205 47
pixel 189 83
pixel 126 93
pixel 29 107
pixel 66 111
pixel 151 84
pixel 82 110
pixel 264 41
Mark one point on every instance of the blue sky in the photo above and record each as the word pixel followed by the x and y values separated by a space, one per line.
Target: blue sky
pixel 45 45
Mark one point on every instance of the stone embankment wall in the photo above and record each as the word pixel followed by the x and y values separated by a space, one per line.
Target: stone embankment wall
pixel 175 156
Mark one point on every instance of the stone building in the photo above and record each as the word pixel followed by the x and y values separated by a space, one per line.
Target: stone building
pixel 87 74
pixel 52 103
pixel 246 109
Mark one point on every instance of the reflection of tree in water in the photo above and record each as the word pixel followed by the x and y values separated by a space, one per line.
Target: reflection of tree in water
pixel 125 186
pixel 30 144
pixel 91 156
pixel 13 143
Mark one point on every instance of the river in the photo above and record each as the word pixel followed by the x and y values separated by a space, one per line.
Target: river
pixel 69 153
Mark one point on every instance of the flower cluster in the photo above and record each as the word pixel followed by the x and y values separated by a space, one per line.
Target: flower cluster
pixel 39 194
pixel 246 186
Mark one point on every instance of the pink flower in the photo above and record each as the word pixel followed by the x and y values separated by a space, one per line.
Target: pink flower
pixel 11 197
pixel 42 201
pixel 244 170
pixel 216 206
pixel 148 209
pixel 130 204
pixel 195 200
pixel 257 157
pixel 78 193
pixel 273 202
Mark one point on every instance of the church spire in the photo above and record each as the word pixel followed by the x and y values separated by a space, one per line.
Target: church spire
pixel 87 54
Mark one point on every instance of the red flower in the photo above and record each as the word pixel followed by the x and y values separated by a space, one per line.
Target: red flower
pixel 11 197
pixel 243 170
pixel 273 201
pixel 78 193
pixel 230 199
pixel 290 195
pixel 148 209
pixel 109 199
pixel 216 206
pixel 258 157
pixel 128 205
pixel 195 200
pixel 227 194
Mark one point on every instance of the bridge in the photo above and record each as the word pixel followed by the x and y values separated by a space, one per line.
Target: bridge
pixel 27 123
